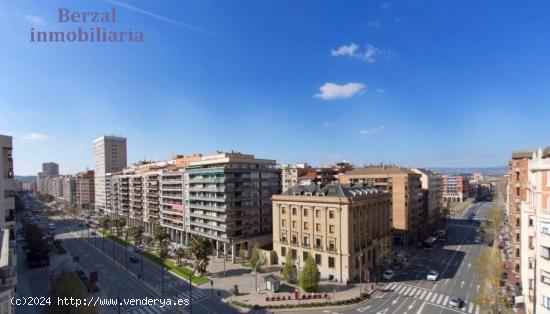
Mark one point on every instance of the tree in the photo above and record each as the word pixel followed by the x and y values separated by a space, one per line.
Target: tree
pixel 67 285
pixel 138 234
pixel 201 248
pixel 289 273
pixel 118 224
pixel 105 223
pixel 310 276
pixel 180 254
pixel 257 260
pixel 489 270
pixel 160 235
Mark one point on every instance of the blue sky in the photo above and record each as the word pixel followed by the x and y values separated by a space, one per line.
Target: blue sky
pixel 418 83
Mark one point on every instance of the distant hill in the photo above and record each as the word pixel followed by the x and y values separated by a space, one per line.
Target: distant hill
pixel 25 178
pixel 501 170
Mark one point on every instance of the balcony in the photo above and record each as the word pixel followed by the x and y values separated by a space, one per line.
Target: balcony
pixel 220 218
pixel 208 226
pixel 220 209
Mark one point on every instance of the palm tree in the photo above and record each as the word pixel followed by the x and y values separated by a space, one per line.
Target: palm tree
pixel 180 253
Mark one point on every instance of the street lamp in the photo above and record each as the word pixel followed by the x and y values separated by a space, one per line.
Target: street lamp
pixel 360 258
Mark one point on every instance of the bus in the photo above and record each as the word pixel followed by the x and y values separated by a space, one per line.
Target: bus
pixel 429 243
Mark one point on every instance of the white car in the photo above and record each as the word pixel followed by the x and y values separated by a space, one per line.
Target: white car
pixel 388 274
pixel 432 275
pixel 456 302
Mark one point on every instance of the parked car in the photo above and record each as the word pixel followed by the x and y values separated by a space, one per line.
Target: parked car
pixel 388 274
pixel 456 302
pixel 432 275
pixel 477 240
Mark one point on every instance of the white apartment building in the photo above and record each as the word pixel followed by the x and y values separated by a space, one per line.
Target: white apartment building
pixel 431 196
pixel 290 175
pixel 8 273
pixel 109 156
pixel 535 235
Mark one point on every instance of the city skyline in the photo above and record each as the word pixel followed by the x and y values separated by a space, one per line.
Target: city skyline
pixel 384 83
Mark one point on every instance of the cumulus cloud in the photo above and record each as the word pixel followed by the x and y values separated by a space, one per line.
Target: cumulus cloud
pixel 34 137
pixel 345 50
pixel 330 91
pixel 372 131
pixel 35 20
pixel 370 54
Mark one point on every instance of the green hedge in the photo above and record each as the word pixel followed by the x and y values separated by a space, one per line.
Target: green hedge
pixel 363 297
pixel 180 270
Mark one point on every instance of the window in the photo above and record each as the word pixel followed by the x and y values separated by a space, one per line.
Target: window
pixel 332 246
pixel 294 240
pixel 318 243
pixel 283 223
pixel 305 255
pixel 531 263
pixel 317 213
pixel 545 227
pixel 306 240
pixel 517 222
pixel 544 252
pixel 545 277
pixel 545 302
pixel 306 225
pixel 294 211
pixel 517 192
pixel 283 251
pixel 293 252
pixel 318 227
pixel 305 212
pixel 331 262
pixel 294 224
pixel 283 237
pixel 331 214
pixel 318 259
pixel 531 244
pixel 531 222
pixel 331 228
pixel 283 210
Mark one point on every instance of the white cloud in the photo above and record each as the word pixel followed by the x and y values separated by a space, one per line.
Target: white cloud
pixel 380 91
pixel 370 54
pixel 327 124
pixel 372 131
pixel 35 20
pixel 330 91
pixel 34 137
pixel 374 24
pixel 345 50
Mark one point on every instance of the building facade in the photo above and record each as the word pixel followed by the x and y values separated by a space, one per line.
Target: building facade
pixel 291 173
pixel 84 191
pixel 454 189
pixel 535 234
pixel 50 169
pixel 406 189
pixel 8 260
pixel 109 156
pixel 229 200
pixel 431 197
pixel 345 229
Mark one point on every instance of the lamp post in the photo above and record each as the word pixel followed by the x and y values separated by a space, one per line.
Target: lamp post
pixel 360 258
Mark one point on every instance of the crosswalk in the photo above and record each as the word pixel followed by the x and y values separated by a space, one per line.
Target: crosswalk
pixel 429 296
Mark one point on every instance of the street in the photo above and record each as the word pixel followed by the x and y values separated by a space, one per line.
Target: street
pixel 455 259
pixel 96 254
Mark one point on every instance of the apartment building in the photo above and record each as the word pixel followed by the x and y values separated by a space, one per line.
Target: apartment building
pixel 84 189
pixel 29 186
pixel 230 200
pixel 50 169
pixel 8 260
pixel 431 197
pixel 516 192
pixel 109 157
pixel 69 189
pixel 454 189
pixel 345 229
pixel 535 232
pixel 406 189
pixel 291 173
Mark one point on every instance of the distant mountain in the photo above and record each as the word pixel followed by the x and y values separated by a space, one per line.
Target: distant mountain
pixel 25 178
pixel 501 170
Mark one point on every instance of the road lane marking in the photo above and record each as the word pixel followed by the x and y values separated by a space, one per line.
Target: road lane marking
pixel 422 295
pixel 418 293
pixel 439 299
pixel 434 297
pixel 428 296
pixel 406 292
pixel 446 300
pixel 421 308
pixel 477 310
pixel 470 308
pixel 360 310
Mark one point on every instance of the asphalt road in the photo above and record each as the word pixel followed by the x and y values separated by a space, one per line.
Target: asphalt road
pixel 410 293
pixel 96 254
